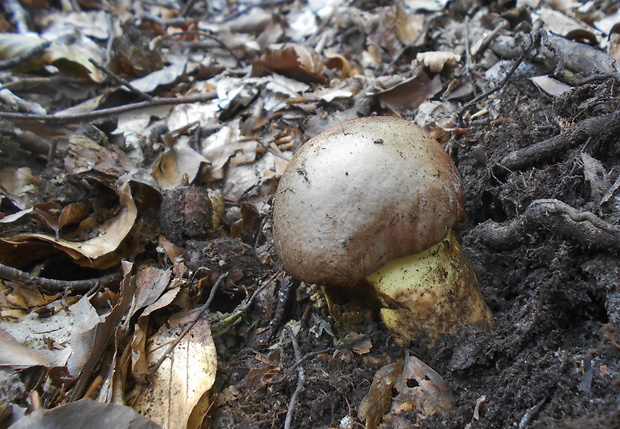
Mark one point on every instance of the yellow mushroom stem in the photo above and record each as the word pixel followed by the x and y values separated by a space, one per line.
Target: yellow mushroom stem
pixel 433 292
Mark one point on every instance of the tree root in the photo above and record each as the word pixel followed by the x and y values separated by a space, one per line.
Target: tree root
pixel 582 227
pixel 598 127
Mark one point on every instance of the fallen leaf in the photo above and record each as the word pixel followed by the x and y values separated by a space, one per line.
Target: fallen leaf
pixel 377 401
pixel 86 413
pixel 97 252
pixel 182 382
pixel 295 61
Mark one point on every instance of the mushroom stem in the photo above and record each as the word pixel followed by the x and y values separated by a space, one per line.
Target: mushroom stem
pixel 434 291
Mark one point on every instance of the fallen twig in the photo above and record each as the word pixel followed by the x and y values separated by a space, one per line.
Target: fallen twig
pixel 300 379
pixel 119 80
pixel 112 111
pixel 534 41
pixel 197 317
pixel 18 276
pixel 577 57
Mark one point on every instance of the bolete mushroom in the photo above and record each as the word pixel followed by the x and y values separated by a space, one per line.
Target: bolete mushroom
pixel 376 198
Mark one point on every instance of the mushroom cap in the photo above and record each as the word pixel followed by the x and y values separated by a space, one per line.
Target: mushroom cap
pixel 361 194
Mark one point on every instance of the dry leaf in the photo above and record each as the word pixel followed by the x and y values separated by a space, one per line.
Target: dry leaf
pixel 183 380
pixel 85 413
pixel 375 404
pixel 97 252
pixel 420 389
pixel 410 93
pixel 177 162
pixel 297 62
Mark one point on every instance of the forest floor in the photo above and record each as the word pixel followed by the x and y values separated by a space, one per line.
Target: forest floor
pixel 124 209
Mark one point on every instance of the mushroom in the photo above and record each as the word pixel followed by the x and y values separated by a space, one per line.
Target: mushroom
pixel 375 199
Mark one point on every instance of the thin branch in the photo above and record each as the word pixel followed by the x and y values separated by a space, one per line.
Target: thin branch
pixel 198 316
pixel 300 379
pixel 18 276
pixel 534 40
pixel 112 111
pixel 119 80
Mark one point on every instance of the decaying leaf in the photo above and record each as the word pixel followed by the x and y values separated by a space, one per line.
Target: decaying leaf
pixel 182 382
pixel 86 413
pixel 375 404
pixel 419 389
pixel 410 93
pixel 177 162
pixel 97 252
pixel 295 61
pixel 550 85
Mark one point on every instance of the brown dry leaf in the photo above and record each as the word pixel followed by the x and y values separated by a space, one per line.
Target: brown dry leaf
pixel 85 155
pixel 410 93
pixel 226 146
pixel 337 61
pixel 72 213
pixel 428 394
pixel 363 347
pixel 172 250
pixel 19 183
pixel 179 393
pixel 297 62
pixel 175 163
pixel 97 252
pixel 139 364
pixel 16 355
pixel 409 26
pixel 27 343
pixel 86 413
pixel 25 298
pixel 377 401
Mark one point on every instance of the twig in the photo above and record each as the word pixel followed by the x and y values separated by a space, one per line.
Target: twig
pixel 300 379
pixel 488 39
pixel 332 349
pixel 18 276
pixel 534 40
pixel 198 316
pixel 207 35
pixel 116 78
pixel 23 57
pixel 599 127
pixel 188 7
pixel 223 324
pixel 112 111
pixel 530 413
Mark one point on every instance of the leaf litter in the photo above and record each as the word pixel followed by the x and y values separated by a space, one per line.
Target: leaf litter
pixel 102 276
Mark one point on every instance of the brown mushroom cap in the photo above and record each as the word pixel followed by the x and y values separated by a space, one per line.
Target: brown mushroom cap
pixel 361 194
